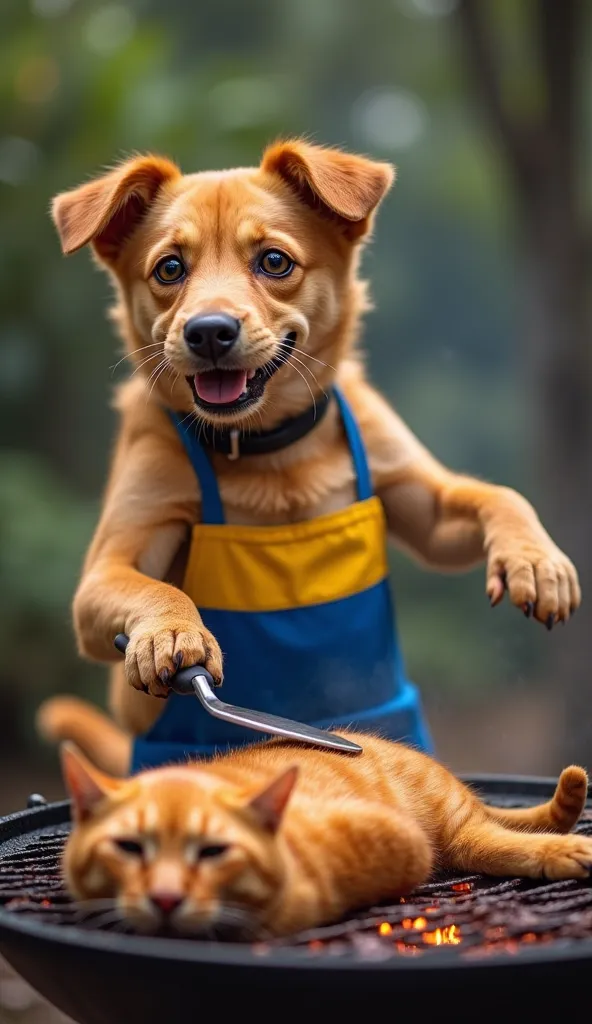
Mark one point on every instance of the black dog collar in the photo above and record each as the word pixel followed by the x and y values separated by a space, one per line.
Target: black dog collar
pixel 235 442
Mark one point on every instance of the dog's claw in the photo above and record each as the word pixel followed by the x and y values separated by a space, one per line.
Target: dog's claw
pixel 528 609
pixel 550 622
pixel 164 676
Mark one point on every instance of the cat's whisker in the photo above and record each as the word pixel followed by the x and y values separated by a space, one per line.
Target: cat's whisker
pixel 108 918
pixel 236 915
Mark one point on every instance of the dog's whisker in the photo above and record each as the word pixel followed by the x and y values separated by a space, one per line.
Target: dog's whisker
pixel 156 370
pixel 299 372
pixel 314 377
pixel 164 361
pixel 131 355
pixel 302 352
pixel 190 415
pixel 289 357
pixel 145 362
pixel 154 376
pixel 165 366
pixel 329 366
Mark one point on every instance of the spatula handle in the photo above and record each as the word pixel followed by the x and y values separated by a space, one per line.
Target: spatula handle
pixel 182 681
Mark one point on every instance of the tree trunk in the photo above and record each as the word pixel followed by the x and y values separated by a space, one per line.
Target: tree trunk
pixel 543 159
pixel 556 373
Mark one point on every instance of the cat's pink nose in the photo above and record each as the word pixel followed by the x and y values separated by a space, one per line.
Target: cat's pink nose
pixel 166 902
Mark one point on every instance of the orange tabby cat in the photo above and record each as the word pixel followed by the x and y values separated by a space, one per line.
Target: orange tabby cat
pixel 278 837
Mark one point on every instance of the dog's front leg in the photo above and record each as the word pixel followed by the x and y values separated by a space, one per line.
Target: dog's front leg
pixel 150 504
pixel 452 522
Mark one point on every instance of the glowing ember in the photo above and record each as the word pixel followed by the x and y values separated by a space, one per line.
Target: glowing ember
pixel 406 950
pixel 443 936
pixel 315 944
pixel 462 887
pixel 385 928
pixel 407 922
pixel 419 923
pixel 452 935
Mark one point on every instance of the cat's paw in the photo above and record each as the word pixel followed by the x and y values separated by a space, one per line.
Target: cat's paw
pixel 567 857
pixel 156 650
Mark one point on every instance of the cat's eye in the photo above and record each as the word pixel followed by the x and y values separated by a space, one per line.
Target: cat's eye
pixel 170 270
pixel 130 846
pixel 213 850
pixel 275 263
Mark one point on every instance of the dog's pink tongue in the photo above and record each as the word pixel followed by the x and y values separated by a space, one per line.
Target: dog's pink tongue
pixel 220 387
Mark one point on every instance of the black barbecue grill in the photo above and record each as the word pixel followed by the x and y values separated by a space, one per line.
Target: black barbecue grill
pixel 454 940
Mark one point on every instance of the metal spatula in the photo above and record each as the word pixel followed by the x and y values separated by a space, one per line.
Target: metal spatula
pixel 197 680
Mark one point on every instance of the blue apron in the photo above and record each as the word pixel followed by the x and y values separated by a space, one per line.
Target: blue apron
pixel 303 615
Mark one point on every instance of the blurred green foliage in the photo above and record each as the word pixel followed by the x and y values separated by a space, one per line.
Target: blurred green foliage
pixel 83 82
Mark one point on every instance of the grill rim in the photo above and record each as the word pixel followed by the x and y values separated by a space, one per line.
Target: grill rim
pixel 150 948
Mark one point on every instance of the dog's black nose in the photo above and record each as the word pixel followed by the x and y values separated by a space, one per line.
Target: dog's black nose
pixel 211 335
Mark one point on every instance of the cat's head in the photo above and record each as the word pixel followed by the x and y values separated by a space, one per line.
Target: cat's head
pixel 176 849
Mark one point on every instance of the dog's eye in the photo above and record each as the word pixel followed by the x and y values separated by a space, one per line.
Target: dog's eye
pixel 275 263
pixel 130 846
pixel 215 850
pixel 169 270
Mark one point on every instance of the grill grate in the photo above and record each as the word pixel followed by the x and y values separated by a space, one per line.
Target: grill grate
pixel 473 915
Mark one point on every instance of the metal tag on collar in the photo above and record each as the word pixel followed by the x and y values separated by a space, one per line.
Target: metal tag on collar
pixel 234 452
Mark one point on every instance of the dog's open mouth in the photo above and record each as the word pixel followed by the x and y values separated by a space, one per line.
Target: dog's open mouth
pixel 228 390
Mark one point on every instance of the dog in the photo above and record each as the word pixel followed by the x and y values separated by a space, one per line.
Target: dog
pixel 239 301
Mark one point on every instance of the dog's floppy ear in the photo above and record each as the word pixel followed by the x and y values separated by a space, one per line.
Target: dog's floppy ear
pixel 347 187
pixel 106 211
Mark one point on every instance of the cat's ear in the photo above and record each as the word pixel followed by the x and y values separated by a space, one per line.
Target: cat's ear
pixel 85 784
pixel 269 805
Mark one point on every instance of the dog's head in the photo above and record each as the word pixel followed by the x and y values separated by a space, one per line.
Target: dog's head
pixel 238 288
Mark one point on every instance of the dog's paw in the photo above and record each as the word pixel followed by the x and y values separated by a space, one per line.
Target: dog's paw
pixel 538 577
pixel 156 650
pixel 567 857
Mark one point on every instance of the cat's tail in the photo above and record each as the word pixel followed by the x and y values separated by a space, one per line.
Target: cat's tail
pixel 67 718
pixel 559 814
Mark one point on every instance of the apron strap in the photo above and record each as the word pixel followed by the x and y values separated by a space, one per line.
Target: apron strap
pixel 356 447
pixel 212 511
pixel 212 508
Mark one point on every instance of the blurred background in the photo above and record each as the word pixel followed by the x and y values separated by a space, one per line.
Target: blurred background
pixel 480 270
pixel 481 335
